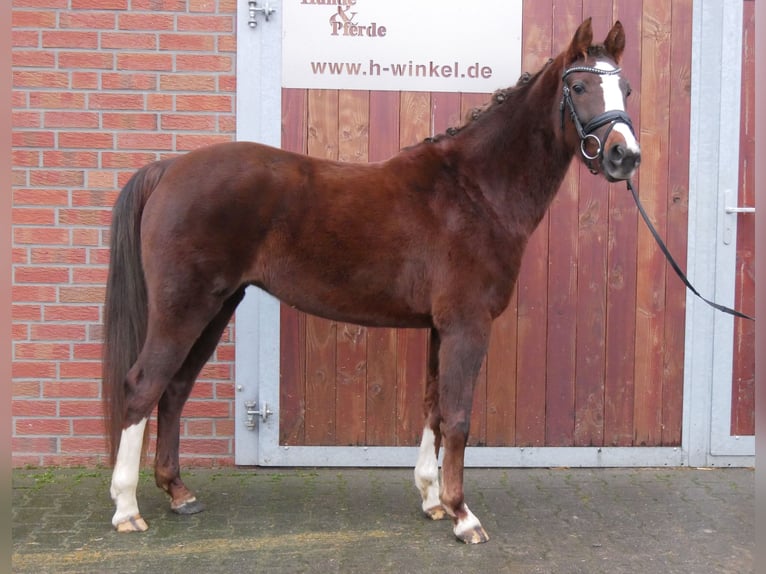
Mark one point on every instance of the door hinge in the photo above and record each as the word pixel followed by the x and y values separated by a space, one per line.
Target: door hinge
pixel 252 410
pixel 253 9
pixel 729 207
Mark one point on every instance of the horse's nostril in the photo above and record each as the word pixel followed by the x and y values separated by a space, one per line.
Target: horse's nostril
pixel 617 153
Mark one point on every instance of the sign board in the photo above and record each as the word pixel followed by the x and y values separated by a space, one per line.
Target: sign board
pixel 449 46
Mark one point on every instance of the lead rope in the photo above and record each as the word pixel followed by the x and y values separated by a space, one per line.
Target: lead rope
pixel 673 263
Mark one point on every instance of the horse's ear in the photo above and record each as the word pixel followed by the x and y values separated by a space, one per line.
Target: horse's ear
pixel 580 42
pixel 615 42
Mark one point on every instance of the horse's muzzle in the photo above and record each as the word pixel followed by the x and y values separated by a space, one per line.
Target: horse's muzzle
pixel 620 162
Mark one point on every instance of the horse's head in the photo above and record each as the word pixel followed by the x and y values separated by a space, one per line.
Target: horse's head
pixel 594 95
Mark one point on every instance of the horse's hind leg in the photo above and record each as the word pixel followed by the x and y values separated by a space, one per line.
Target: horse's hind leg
pixel 167 471
pixel 427 466
pixel 168 342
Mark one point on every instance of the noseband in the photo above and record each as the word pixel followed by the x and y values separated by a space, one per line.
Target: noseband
pixel 586 132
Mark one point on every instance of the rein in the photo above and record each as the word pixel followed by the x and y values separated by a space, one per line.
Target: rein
pixel 675 265
pixel 611 117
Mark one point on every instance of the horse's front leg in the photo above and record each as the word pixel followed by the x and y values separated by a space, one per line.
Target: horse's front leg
pixel 462 351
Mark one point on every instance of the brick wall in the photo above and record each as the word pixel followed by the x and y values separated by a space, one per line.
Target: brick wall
pixel 100 88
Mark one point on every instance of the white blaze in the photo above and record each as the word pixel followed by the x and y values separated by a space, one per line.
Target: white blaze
pixel 613 100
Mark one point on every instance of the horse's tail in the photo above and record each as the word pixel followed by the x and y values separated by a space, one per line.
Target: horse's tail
pixel 125 308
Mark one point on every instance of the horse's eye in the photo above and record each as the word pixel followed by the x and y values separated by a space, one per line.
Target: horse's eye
pixel 628 91
pixel 578 88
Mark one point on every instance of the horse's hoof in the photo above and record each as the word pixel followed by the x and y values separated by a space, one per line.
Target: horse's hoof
pixel 133 524
pixel 436 513
pixel 192 506
pixel 476 535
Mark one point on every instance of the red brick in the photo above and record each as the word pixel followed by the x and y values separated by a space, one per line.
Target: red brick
pixel 98 257
pixel 187 42
pixel 42 351
pixel 33 294
pixel 57 100
pixel 89 59
pixel 224 428
pixel 225 353
pixel 32 139
pixel 42 426
pixel 25 39
pixel 26 312
pixel 86 275
pixel 32 59
pixel 129 81
pixel 72 313
pixel 26 408
pixel 100 180
pixel 27 389
pixel 25 158
pixel 199 428
pixel 72 389
pixel 144 61
pixel 204 63
pixel 190 122
pixel 93 198
pixel 53 197
pixel 116 101
pixel 84 217
pixel 80 369
pixel 64 255
pixel 86 237
pixel 19 177
pixel 198 23
pixel 75 408
pixel 86 140
pixel 145 140
pixel 33 216
pixel 212 409
pixel 81 294
pixel 40 79
pixel 70 159
pixel 207 446
pixel 159 102
pixel 225 390
pixel 129 121
pixel 159 5
pixel 227 84
pixel 26 119
pixel 90 19
pixel 216 371
pixel 69 39
pixel 202 6
pixel 19 255
pixel 134 160
pixel 89 426
pixel 151 22
pixel 187 83
pixel 227 43
pixel 33 19
pixel 128 41
pixel 24 444
pixel 46 332
pixel 87 351
pixel 190 142
pixel 99 4
pixel 84 80
pixel 41 235
pixel 57 178
pixel 63 119
pixel 19 332
pixel 204 103
pixel 202 390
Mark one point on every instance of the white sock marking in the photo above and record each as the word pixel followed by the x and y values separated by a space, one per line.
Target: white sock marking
pixel 125 474
pixel 469 522
pixel 427 471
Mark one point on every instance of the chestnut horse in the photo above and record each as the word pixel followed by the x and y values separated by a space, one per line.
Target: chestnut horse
pixel 431 238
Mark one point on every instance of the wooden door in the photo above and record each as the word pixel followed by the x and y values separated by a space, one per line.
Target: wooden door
pixel 590 351
pixel 743 372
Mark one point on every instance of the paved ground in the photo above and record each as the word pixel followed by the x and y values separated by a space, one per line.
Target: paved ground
pixel 540 521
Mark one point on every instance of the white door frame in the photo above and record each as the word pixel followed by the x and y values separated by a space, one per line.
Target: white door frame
pixel 714 171
pixel 257 318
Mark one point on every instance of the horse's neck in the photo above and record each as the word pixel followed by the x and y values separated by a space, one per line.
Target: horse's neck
pixel 518 155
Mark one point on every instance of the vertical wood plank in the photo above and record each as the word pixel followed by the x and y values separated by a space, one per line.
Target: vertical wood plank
pixel 381 343
pixel 591 281
pixel 619 380
pixel 414 127
pixel 650 288
pixel 351 381
pixel 292 332
pixel 678 216
pixel 321 338
pixel 743 379
pixel 562 275
pixel 533 277
pixel 445 111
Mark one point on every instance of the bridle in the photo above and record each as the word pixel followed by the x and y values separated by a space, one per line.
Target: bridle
pixel 586 132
